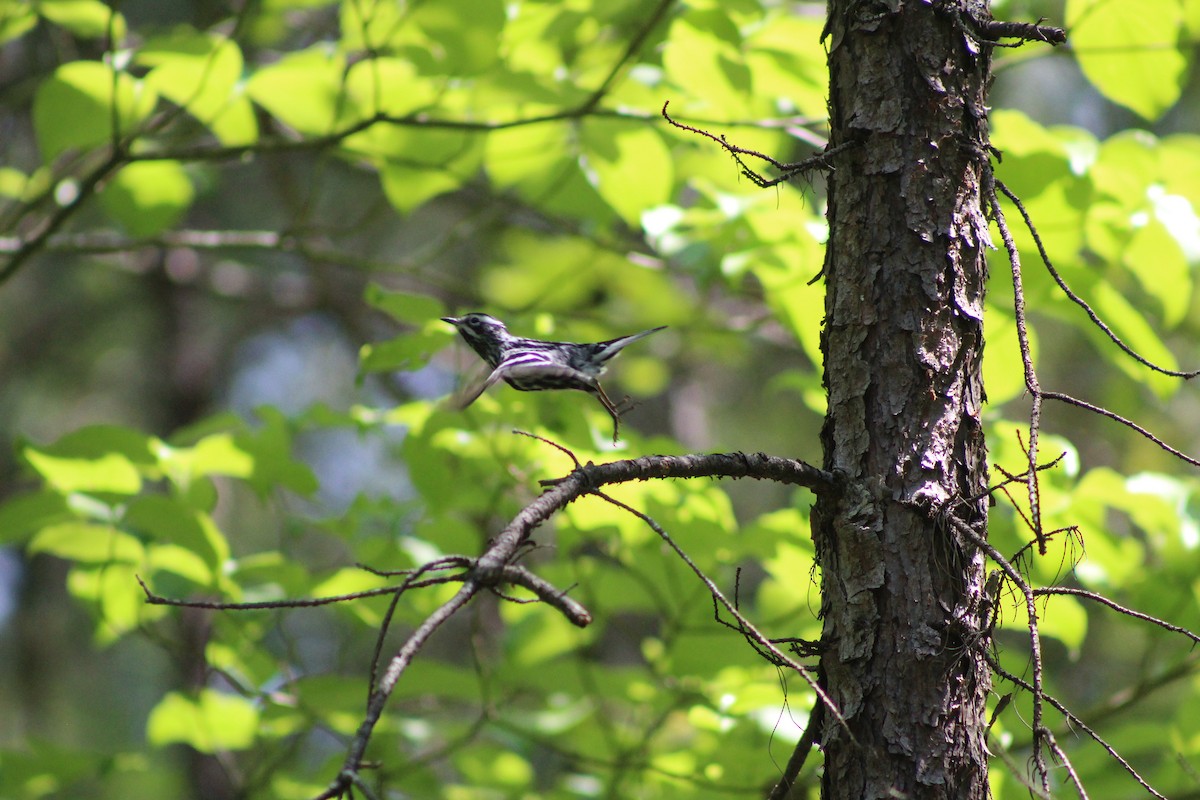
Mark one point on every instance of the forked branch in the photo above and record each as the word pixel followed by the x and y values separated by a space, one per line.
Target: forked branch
pixel 496 565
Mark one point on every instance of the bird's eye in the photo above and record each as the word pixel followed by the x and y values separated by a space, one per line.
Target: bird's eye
pixel 474 322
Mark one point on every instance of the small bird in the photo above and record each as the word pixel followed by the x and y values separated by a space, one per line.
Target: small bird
pixel 533 365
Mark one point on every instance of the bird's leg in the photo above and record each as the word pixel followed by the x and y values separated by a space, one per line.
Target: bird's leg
pixel 626 405
pixel 610 408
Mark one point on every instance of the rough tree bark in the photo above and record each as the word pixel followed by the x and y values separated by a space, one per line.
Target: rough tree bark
pixel 903 341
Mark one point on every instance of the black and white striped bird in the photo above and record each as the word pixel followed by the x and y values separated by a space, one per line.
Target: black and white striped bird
pixel 533 365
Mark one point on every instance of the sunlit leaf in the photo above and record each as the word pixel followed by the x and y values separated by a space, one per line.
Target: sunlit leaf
pixel 149 196
pixel 202 74
pixel 702 56
pixel 629 165
pixel 112 591
pixel 1064 618
pixel 270 447
pixel 1131 52
pixel 389 86
pixel 463 32
pixel 87 543
pixel 1003 370
pixel 111 472
pixel 304 90
pixel 408 187
pixel 167 520
pixel 210 722
pixel 74 109
pixel 16 17
pixel 1154 257
pixel 88 19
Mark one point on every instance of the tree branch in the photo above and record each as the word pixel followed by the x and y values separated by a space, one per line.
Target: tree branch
pixel 1114 605
pixel 993 30
pixel 495 565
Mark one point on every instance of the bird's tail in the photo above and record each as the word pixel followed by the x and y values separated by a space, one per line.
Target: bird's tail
pixel 606 350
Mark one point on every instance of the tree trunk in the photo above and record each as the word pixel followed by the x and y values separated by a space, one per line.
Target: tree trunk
pixel 903 343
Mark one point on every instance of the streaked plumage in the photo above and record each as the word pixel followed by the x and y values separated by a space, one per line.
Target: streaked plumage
pixel 532 365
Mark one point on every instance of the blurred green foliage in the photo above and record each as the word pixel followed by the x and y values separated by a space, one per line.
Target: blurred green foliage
pixel 511 157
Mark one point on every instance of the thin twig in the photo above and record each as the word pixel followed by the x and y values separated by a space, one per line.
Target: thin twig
pixel 1079 301
pixel 750 630
pixel 803 747
pixel 308 602
pixel 1114 605
pixel 1031 381
pixel 1104 412
pixel 1035 645
pixel 787 170
pixel 635 44
pixel 1074 721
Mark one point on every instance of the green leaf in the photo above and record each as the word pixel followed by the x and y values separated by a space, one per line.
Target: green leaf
pixel 1191 18
pixel 370 24
pixel 702 55
pixel 335 699
pixel 462 33
pixel 215 454
pixel 1180 172
pixel 164 519
pixel 202 74
pixel 786 274
pixel 414 309
pixel 793 78
pixel 210 722
pixel 178 561
pixel 111 472
pixel 389 86
pixel 25 513
pixel 542 164
pixel 1003 370
pixel 552 273
pixel 1116 310
pixel 629 165
pixel 408 351
pixel 148 197
pixel 353 580
pixel 1131 51
pixel 98 458
pixel 16 17
pixel 88 19
pixel 13 182
pixel 538 634
pixel 74 108
pixel 87 543
pixel 418 163
pixel 1155 258
pixel 486 766
pixel 408 187
pixel 303 90
pixel 113 593
pixel 274 467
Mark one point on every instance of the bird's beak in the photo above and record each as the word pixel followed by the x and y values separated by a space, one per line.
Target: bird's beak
pixel 452 320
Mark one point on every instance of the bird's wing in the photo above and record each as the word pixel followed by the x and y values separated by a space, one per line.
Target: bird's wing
pixel 471 395
pixel 526 370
